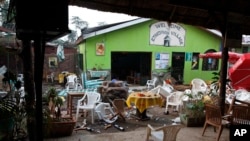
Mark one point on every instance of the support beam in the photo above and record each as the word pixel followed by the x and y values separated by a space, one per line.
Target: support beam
pixel 29 87
pixel 223 72
pixel 39 48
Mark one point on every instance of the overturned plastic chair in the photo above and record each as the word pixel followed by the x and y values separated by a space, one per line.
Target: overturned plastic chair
pixel 151 83
pixel 105 112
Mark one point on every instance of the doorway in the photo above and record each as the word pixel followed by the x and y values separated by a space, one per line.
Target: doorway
pixel 134 64
pixel 178 62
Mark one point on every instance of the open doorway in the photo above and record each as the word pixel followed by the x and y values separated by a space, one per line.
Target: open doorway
pixel 178 62
pixel 125 65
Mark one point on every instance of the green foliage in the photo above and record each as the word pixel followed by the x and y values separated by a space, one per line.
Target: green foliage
pixel 12 107
pixel 194 107
pixel 53 103
pixel 53 94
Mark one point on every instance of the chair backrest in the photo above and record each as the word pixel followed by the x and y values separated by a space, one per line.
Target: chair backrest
pixel 198 85
pixel 169 88
pixel 155 90
pixel 235 101
pixel 72 78
pixel 240 115
pixel 119 105
pixel 92 97
pixel 170 132
pixel 176 97
pixel 213 114
pixel 154 80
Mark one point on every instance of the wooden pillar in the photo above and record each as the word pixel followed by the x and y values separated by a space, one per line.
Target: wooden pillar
pixel 29 87
pixel 39 47
pixel 224 67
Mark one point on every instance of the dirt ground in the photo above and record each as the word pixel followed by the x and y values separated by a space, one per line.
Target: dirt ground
pixel 156 118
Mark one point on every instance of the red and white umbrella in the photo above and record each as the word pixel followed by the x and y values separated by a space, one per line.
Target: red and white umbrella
pixel 239 73
pixel 232 56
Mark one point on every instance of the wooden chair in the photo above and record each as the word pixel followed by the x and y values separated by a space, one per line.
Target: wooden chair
pixel 240 115
pixel 163 133
pixel 215 119
pixel 233 101
pixel 119 107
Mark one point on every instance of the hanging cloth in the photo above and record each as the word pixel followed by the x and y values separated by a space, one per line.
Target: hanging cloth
pixel 60 53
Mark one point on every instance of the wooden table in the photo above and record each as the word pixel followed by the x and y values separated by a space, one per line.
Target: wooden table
pixel 143 100
pixel 70 97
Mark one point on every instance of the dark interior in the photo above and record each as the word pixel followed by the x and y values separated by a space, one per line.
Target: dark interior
pixel 124 64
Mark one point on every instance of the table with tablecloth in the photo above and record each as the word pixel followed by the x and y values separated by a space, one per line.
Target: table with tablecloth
pixel 142 101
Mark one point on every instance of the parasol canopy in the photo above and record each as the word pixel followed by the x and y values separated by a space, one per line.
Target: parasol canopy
pixel 232 56
pixel 239 73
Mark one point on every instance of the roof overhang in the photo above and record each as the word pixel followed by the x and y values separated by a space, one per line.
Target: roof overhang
pixel 230 17
pixel 116 27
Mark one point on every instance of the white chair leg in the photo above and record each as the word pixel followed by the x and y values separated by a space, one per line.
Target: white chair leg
pixel 177 108
pixel 77 112
pixel 166 110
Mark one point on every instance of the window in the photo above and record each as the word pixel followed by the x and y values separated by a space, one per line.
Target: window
pixel 210 64
pixel 53 62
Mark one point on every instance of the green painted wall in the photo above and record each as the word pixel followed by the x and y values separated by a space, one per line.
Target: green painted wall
pixel 136 39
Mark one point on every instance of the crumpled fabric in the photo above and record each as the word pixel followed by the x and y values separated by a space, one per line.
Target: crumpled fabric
pixel 60 53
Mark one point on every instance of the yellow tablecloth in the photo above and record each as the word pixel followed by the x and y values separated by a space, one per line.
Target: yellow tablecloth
pixel 143 100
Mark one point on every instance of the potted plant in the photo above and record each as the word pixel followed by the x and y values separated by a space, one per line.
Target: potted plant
pixel 192 113
pixel 54 124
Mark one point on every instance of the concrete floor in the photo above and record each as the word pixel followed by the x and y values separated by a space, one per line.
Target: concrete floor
pixel 185 134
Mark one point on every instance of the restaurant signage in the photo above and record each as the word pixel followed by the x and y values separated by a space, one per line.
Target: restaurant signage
pixel 163 33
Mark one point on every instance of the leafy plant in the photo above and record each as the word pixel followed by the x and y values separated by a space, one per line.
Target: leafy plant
pixel 52 110
pixel 12 108
pixel 194 105
pixel 215 84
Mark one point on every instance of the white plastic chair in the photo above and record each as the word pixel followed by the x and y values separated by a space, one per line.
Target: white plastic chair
pixel 88 102
pixel 162 90
pixel 72 83
pixel 167 87
pixel 51 77
pixel 151 83
pixel 198 85
pixel 174 100
pixel 243 95
pixel 105 112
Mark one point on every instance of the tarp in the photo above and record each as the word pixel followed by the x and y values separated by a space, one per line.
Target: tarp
pixel 239 73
